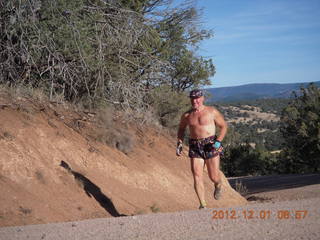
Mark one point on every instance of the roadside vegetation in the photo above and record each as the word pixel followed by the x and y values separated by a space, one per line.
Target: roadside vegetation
pixel 138 58
pixel 273 136
pixel 135 56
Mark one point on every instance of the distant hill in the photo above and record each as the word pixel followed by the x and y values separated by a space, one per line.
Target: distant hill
pixel 254 91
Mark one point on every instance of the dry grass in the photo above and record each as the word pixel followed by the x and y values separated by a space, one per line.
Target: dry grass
pixel 139 212
pixel 108 121
pixel 110 133
pixel 105 117
pixel 7 135
pixel 116 138
pixel 241 188
pixel 25 211
pixel 22 91
pixel 40 177
pixel 154 208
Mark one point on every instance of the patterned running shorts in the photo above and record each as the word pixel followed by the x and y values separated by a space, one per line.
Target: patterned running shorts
pixel 203 148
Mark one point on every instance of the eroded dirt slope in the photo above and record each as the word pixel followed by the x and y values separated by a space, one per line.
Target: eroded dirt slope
pixel 52 169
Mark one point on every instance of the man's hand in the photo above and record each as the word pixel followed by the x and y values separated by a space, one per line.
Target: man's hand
pixel 218 146
pixel 179 148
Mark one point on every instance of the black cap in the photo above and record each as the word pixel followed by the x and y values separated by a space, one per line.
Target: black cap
pixel 196 93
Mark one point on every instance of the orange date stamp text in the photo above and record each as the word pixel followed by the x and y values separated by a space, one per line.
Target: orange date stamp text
pixel 259 214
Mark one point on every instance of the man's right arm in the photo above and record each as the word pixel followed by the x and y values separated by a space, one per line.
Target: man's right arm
pixel 182 127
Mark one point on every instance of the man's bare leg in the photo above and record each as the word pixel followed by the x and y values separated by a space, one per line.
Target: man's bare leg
pixel 213 166
pixel 197 165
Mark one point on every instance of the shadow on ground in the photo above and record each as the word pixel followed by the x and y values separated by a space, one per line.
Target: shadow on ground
pixel 92 190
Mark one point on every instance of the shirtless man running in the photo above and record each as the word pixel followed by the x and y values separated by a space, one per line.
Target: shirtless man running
pixel 204 146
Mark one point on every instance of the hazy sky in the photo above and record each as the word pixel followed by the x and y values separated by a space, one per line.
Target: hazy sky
pixel 262 41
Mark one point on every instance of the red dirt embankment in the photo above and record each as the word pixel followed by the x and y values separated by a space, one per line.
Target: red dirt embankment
pixel 52 169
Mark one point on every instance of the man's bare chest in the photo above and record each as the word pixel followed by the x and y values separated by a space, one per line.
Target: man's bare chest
pixel 200 119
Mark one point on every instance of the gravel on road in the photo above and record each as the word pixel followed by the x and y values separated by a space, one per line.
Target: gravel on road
pixel 280 220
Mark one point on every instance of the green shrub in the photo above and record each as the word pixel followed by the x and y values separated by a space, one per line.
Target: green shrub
pixel 169 105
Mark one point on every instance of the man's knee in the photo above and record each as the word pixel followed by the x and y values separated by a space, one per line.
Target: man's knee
pixel 197 175
pixel 215 178
pixel 197 168
pixel 215 175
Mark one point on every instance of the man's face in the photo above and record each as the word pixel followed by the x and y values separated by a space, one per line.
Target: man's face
pixel 196 102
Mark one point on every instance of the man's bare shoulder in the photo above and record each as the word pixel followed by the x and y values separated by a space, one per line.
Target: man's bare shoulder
pixel 187 113
pixel 217 114
pixel 211 109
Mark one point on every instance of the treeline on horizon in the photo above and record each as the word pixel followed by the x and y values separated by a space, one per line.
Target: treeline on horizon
pixel 139 57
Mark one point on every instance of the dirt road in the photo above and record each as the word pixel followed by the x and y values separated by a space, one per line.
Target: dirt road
pixel 281 220
pixel 296 218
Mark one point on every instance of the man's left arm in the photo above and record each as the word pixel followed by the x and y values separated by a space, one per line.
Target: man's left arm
pixel 221 123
